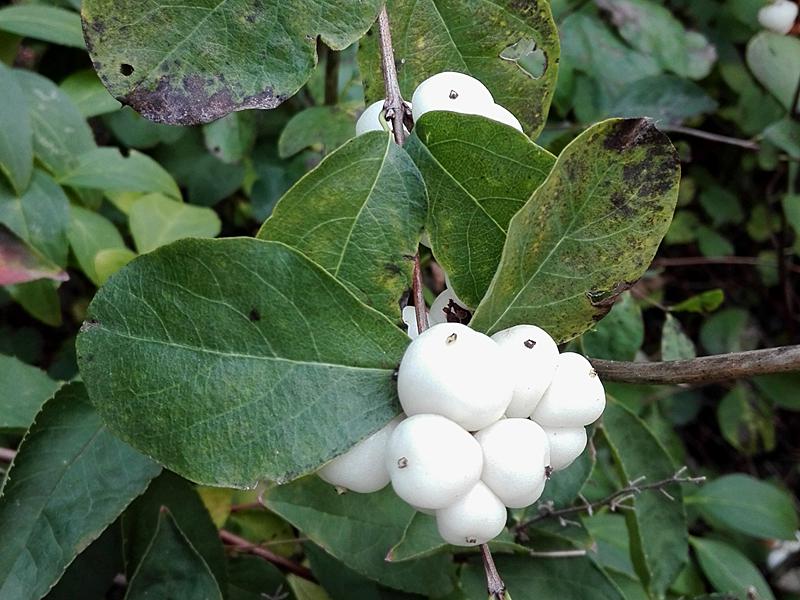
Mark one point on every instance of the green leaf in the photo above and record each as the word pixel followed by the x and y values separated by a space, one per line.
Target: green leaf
pixel 511 47
pixel 250 577
pixel 587 233
pixel 675 344
pixel 726 331
pixel 194 63
pixel 89 234
pixel 140 521
pixel 255 343
pixel 41 22
pixel 773 59
pixel 156 220
pixel 92 573
pixel 40 216
pixel 304 589
pixel 89 94
pixel 172 568
pixel 609 535
pixel 704 302
pixel 67 463
pixel 420 538
pixel 479 173
pixel 730 571
pixel 108 169
pixel 16 133
pixel 747 505
pixel 23 390
pixel 134 131
pixel 109 261
pixel 260 526
pixel 746 421
pixel 781 389
pixel 620 335
pixel 657 524
pixel 232 137
pixel 358 215
pixel 666 99
pixel 564 486
pixel 325 126
pixel 40 298
pixel 785 134
pixel 359 530
pixel 60 132
pixel 536 579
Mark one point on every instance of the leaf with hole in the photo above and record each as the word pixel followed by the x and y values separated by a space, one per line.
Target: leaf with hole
pixel 193 63
pixel 587 233
pixel 479 173
pixel 273 367
pixel 512 47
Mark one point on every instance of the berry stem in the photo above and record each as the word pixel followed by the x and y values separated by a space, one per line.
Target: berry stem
pixel 494 583
pixel 396 110
pixel 242 545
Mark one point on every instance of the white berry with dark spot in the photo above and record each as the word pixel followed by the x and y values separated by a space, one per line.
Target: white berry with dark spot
pixel 515 458
pixel 575 397
pixel 362 468
pixel 533 356
pixel 474 519
pixel 451 91
pixel 432 461
pixel 454 371
pixel 566 444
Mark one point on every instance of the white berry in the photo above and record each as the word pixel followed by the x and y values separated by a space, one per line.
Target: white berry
pixel 441 306
pixel 472 520
pixel 454 371
pixel 432 461
pixel 372 119
pixel 450 91
pixel 778 16
pixel 533 356
pixel 515 457
pixel 566 444
pixel 575 397
pixel 362 468
pixel 503 115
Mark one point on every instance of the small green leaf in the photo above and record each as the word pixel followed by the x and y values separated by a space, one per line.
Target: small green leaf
pixel 109 261
pixel 232 137
pixel 675 344
pixel 747 505
pixel 140 521
pixel 665 98
pixel 781 389
pixel 325 126
pixel 107 169
pixel 706 302
pixel 89 234
pixel 512 47
pixel 89 94
pixel 156 220
pixel 172 568
pixel 359 530
pixel 47 23
pixel 726 331
pixel 250 577
pixel 479 173
pixel 188 64
pixel 657 524
pixel 39 298
pixel 536 579
pixel 773 59
pixel 420 538
pixel 358 215
pixel 16 132
pixel 620 335
pixel 564 486
pixel 134 131
pixel 67 463
pixel 587 233
pixel 23 390
pixel 730 571
pixel 254 342
pixel 746 421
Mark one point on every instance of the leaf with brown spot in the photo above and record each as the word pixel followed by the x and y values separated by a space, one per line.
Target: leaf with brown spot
pixel 194 62
pixel 588 233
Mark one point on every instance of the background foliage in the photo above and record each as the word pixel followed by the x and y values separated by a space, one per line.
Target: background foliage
pixel 87 185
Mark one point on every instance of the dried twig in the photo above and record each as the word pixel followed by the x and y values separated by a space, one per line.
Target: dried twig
pixel 282 562
pixel 616 501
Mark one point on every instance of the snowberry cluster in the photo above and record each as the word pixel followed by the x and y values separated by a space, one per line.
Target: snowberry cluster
pixel 486 420
pixel 779 16
pixel 449 91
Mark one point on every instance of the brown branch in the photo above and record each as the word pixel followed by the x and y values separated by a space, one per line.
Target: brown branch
pixel 494 583
pixel 332 59
pixel 396 110
pixel 7 455
pixel 613 501
pixel 242 545
pixel 706 369
pixel 713 137
pixel 419 296
pixel 699 261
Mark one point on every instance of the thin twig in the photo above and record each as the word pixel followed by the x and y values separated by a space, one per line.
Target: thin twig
pixel 419 296
pixel 284 563
pixel 699 261
pixel 713 137
pixel 396 110
pixel 494 583
pixel 558 554
pixel 614 501
pixel 706 369
pixel 246 506
pixel 7 455
pixel 332 59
